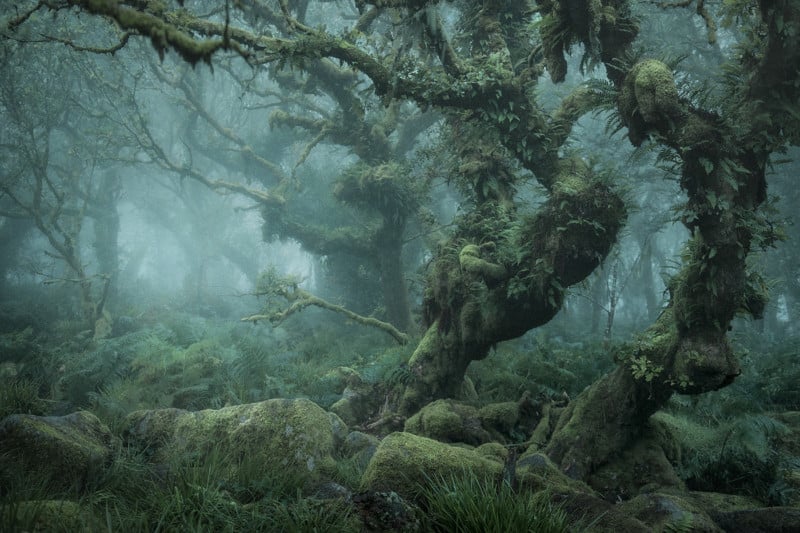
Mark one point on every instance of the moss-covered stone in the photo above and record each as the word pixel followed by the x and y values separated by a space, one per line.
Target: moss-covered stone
pixel 493 451
pixel 501 417
pixel 67 452
pixel 641 468
pixel 448 421
pixel 535 471
pixel 404 461
pixel 275 433
pixel 668 512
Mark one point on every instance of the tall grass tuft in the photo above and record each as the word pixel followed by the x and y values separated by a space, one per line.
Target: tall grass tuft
pixel 466 503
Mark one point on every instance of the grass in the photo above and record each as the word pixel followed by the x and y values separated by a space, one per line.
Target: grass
pixel 466 503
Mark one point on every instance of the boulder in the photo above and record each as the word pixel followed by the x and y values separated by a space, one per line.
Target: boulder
pixel 449 421
pixel 65 452
pixel 404 461
pixel 273 434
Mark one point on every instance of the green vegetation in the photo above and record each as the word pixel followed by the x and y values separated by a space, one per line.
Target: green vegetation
pixel 466 503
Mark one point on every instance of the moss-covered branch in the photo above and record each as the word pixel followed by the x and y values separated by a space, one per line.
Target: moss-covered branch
pixel 298 299
pixel 163 35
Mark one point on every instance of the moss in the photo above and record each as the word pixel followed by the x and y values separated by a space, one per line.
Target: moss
pixel 493 451
pixel 535 471
pixel 654 87
pixel 501 417
pixel 470 260
pixel 67 450
pixel 448 421
pixel 275 433
pixel 648 99
pixel 436 420
pixel 404 461
pixel 667 512
pixel 641 468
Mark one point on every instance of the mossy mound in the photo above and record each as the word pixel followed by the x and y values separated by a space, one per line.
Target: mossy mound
pixel 641 468
pixel 403 462
pixel 65 452
pixel 449 421
pixel 275 434
pixel 668 512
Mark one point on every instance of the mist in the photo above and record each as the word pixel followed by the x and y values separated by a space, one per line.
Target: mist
pixel 283 266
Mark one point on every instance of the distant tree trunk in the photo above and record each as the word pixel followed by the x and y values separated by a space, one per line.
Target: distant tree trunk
pixel 393 282
pixel 646 280
pixel 106 229
pixel 13 232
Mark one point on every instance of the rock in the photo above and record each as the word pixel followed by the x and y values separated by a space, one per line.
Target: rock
pixel 765 520
pixel 67 452
pixel 591 513
pixel 360 446
pixel 641 468
pixel 385 511
pixel 500 417
pixel 449 421
pixel 535 471
pixel 669 512
pixel 359 399
pixel 273 434
pixel 404 461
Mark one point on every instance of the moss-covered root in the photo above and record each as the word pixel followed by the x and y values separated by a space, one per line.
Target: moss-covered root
pixel 602 421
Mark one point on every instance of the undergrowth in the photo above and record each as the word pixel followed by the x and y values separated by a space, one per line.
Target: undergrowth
pixel 465 503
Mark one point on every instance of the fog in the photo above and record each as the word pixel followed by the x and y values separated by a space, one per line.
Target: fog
pixel 398 212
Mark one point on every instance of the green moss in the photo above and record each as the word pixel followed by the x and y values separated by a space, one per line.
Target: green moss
pixel 436 420
pixel 403 462
pixel 501 417
pixel 471 262
pixel 274 433
pixel 66 451
pixel 655 90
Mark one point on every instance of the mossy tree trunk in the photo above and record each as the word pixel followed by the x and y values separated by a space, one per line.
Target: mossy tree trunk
pixel 723 175
pixel 503 274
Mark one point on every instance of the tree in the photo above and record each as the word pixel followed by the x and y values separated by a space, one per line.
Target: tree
pixel 506 267
pixel 50 173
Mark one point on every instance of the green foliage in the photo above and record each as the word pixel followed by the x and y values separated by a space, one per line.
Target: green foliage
pixel 20 396
pixel 311 515
pixel 744 464
pixel 540 365
pixel 730 448
pixel 466 503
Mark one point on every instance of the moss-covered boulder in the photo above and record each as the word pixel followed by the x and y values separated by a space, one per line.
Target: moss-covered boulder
pixel 404 461
pixel 359 399
pixel 65 452
pixel 535 471
pixel 360 447
pixel 641 468
pixel 764 520
pixel 669 512
pixel 273 434
pixel 449 421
